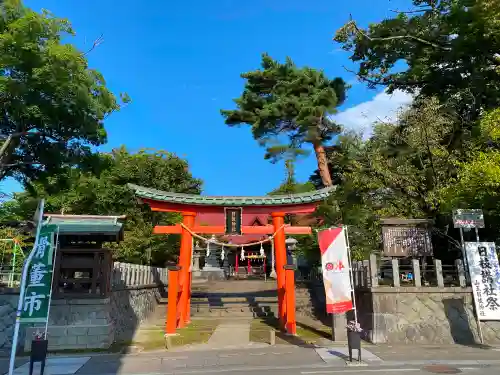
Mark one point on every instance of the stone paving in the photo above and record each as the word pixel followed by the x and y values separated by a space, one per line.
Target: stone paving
pixel 200 360
pixel 232 333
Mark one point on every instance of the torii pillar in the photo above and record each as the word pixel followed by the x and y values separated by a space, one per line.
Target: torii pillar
pixel 280 260
pixel 185 260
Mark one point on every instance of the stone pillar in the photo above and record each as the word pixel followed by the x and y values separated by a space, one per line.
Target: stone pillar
pixel 212 269
pixel 196 261
pixel 212 261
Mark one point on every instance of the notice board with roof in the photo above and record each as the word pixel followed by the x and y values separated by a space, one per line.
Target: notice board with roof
pixel 83 265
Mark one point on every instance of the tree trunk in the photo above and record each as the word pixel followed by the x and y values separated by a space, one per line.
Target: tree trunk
pixel 324 171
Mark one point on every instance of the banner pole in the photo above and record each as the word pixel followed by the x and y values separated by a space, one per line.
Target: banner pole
pixel 54 257
pixel 353 294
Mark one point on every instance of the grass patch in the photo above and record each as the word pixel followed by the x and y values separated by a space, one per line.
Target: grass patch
pixel 306 334
pixel 197 332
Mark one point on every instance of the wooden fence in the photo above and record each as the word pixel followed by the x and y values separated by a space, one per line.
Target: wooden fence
pixel 127 274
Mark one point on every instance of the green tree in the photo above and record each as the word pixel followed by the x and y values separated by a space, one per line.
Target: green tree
pixel 398 172
pixel 477 180
pixel 442 48
pixel 290 185
pixel 285 101
pixel 53 104
pixel 105 193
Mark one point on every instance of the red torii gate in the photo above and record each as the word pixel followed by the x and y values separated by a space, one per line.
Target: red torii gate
pixel 189 205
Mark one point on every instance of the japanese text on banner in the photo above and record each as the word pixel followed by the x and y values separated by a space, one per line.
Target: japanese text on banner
pixel 485 278
pixel 38 286
pixel 336 270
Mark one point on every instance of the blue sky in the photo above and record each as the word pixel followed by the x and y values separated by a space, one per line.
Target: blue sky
pixel 180 63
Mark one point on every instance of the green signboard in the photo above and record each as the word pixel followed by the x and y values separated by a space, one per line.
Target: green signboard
pixel 37 296
pixel 233 221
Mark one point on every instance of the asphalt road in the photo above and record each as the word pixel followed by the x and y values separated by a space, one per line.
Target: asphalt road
pixel 325 370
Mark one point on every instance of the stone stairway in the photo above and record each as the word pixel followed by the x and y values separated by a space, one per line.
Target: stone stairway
pixel 254 306
pixel 236 299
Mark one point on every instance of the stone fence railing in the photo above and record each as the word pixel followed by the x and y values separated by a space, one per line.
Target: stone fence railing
pixel 373 273
pixel 128 275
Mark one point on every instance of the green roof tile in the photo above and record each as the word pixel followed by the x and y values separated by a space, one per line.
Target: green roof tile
pixel 207 200
pixel 89 226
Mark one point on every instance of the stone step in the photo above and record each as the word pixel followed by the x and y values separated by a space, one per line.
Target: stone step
pixel 234 307
pixel 237 300
pixel 234 299
pixel 233 313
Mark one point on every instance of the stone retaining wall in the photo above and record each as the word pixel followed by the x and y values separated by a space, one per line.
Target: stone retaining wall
pixel 95 323
pixel 131 306
pixel 8 306
pixel 91 323
pixel 422 315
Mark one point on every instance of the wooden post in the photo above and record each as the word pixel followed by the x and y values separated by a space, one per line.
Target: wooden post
pixel 461 273
pixel 291 324
pixel 355 278
pixel 373 269
pixel 366 266
pixel 395 272
pixel 359 271
pixel 438 267
pixel 417 279
pixel 280 258
pixel 185 263
pixel 173 293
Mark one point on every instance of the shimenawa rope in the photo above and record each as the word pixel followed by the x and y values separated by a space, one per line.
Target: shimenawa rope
pixel 210 240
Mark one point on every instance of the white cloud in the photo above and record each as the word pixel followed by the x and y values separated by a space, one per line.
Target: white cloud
pixel 383 107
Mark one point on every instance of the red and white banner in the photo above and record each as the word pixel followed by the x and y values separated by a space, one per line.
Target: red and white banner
pixel 336 270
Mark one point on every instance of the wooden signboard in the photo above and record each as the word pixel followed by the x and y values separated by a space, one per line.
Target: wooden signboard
pixel 406 238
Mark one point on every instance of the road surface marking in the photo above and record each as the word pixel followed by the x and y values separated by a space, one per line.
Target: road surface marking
pixel 360 370
pixel 375 370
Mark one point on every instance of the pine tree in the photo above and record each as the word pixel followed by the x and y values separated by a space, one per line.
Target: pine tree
pixel 285 101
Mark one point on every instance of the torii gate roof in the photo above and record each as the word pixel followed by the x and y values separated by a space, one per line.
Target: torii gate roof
pixel 231 201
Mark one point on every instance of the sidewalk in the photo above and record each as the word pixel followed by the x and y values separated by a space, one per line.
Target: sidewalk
pixel 434 353
pixel 265 358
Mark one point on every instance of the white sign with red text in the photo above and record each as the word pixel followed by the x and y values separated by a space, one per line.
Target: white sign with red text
pixel 336 270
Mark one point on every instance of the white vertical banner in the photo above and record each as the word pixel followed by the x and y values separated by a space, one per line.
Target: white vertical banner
pixel 485 278
pixel 336 270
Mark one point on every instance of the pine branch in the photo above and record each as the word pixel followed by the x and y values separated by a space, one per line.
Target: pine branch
pixel 396 37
